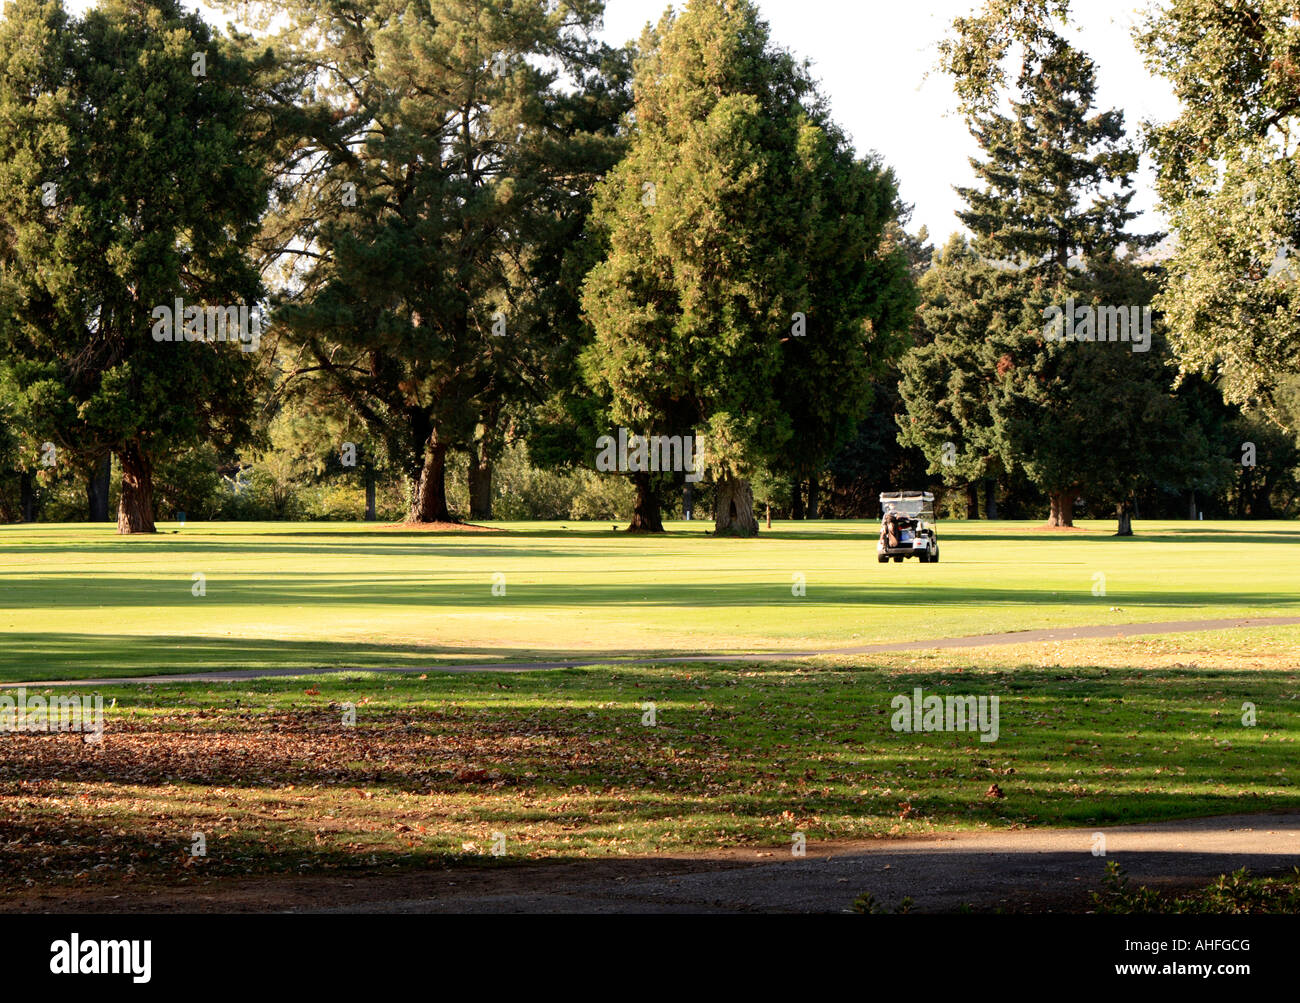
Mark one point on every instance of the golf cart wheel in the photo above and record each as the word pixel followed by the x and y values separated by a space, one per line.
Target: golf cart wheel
pixel 934 558
pixel 882 558
pixel 898 560
pixel 924 556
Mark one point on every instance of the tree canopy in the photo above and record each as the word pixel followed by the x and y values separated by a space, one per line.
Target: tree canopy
pixel 131 184
pixel 747 252
pixel 1229 180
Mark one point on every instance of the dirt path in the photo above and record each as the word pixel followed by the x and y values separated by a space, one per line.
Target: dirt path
pixel 1020 870
pixel 970 641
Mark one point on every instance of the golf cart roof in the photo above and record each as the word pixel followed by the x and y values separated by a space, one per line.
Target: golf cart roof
pixel 909 503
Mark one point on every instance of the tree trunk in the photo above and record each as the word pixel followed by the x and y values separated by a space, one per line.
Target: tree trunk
pixel 688 501
pixel 480 483
pixel 1191 505
pixel 135 505
pixel 972 501
pixel 814 499
pixel 1125 518
pixel 734 509
pixel 646 514
pixel 1062 509
pixel 97 487
pixel 429 487
pixel 796 499
pixel 1263 509
pixel 370 495
pixel 27 497
pixel 990 499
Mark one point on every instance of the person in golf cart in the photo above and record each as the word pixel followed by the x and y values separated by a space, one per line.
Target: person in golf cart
pixel 907 527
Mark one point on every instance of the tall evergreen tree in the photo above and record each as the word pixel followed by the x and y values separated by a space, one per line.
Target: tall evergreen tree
pixel 859 302
pixel 1051 219
pixel 1057 177
pixel 722 300
pixel 447 148
pixel 130 180
pixel 967 310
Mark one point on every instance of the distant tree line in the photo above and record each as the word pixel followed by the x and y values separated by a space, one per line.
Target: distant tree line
pixel 416 261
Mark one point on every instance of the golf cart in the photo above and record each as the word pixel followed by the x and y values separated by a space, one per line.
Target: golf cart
pixel 907 527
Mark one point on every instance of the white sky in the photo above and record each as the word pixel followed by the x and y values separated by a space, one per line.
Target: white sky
pixel 875 60
pixel 873 56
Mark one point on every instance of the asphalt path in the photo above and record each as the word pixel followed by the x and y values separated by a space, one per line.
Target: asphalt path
pixel 1023 869
pixel 1019 870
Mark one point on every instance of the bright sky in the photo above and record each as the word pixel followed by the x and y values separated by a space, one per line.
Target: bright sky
pixel 873 57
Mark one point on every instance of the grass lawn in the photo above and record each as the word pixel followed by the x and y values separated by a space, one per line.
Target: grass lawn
pixel 562 764
pixel 81 601
pixel 1092 733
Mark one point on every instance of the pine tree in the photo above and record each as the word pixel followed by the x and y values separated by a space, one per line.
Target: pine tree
pixel 1057 177
pixel 1051 220
pixel 721 300
pixel 423 215
pixel 967 309
pixel 131 178
pixel 858 303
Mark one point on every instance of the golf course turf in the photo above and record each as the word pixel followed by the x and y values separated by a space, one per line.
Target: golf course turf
pixel 279 777
pixel 82 602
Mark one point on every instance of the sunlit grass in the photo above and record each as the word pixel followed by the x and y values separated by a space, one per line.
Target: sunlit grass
pixel 80 601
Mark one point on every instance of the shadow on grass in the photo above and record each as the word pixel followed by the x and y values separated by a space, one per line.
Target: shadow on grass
pixel 49 656
pixel 49 589
pixel 740 758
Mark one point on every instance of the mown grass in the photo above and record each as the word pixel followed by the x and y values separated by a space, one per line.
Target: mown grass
pixel 562 765
pixel 79 601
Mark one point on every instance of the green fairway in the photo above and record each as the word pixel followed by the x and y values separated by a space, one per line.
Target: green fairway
pixel 79 601
pixel 1092 733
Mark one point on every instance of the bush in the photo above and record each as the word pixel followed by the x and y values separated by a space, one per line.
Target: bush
pixel 524 493
pixel 1228 894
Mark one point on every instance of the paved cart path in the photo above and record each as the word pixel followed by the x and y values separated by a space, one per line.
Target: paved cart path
pixel 982 870
pixel 970 641
pixel 1039 870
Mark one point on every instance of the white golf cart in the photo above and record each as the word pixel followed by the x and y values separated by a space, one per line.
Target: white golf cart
pixel 907 527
